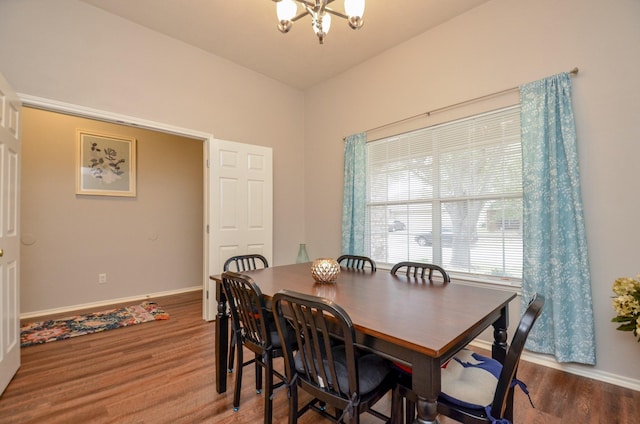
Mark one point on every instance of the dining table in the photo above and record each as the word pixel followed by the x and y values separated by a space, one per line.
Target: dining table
pixel 409 320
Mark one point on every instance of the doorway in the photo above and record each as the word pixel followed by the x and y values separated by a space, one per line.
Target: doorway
pixel 144 239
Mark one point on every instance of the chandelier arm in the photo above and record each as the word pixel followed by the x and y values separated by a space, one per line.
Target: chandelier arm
pixel 300 16
pixel 319 9
pixel 336 13
pixel 310 7
pixel 314 4
pixel 306 3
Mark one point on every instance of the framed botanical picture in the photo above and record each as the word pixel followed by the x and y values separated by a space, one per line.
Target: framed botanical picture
pixel 106 164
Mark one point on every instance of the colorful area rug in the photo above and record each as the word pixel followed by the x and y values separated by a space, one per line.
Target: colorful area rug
pixel 65 328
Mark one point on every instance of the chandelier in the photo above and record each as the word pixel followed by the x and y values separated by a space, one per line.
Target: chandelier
pixel 287 11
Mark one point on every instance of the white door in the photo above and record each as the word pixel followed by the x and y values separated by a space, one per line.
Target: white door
pixel 10 109
pixel 240 205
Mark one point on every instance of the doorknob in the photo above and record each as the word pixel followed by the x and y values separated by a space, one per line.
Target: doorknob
pixel 1 252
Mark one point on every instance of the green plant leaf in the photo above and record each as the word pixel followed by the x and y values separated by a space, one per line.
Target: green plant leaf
pixel 627 327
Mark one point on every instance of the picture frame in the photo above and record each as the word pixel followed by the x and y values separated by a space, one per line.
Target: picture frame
pixel 106 164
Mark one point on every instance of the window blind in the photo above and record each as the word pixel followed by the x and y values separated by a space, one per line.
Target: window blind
pixel 449 194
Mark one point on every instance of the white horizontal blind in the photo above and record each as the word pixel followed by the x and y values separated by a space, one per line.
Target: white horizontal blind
pixel 450 194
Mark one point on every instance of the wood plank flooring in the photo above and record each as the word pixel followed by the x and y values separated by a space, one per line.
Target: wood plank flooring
pixel 163 372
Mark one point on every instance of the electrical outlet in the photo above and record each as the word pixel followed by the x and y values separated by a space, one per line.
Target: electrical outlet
pixel 102 278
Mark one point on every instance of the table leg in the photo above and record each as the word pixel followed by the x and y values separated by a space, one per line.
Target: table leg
pixel 427 411
pixel 499 348
pixel 426 386
pixel 221 340
pixel 499 351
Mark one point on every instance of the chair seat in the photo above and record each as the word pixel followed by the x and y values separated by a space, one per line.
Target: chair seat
pixel 276 341
pixel 372 370
pixel 470 379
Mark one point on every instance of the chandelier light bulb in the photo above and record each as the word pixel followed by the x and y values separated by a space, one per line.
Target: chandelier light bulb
pixel 320 13
pixel 354 8
pixel 321 26
pixel 286 10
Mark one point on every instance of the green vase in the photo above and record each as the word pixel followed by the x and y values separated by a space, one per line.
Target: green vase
pixel 302 254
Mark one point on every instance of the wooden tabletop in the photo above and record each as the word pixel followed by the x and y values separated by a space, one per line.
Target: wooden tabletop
pixel 426 318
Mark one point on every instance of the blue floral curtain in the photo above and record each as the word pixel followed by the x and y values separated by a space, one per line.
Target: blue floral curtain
pixel 556 263
pixel 355 194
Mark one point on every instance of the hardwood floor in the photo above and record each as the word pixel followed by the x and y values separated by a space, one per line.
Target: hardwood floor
pixel 163 372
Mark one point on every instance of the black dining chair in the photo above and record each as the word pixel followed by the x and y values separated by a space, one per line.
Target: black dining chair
pixel 253 328
pixel 419 269
pixel 246 262
pixel 334 374
pixel 242 263
pixel 477 389
pixel 357 262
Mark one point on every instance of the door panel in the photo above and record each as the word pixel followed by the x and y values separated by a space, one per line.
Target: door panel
pixel 10 110
pixel 255 210
pixel 241 205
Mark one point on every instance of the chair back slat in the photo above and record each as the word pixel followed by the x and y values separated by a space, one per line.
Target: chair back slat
pixel 315 321
pixel 247 308
pixel 245 263
pixel 420 269
pixel 357 262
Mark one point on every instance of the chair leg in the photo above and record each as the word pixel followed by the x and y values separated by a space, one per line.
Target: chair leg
pixel 268 389
pixel 232 346
pixel 410 411
pixel 236 394
pixel 396 406
pixel 258 373
pixel 293 404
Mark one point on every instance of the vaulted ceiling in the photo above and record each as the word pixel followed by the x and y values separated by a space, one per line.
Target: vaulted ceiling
pixel 245 32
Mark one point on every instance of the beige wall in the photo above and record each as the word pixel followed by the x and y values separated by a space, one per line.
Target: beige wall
pixel 499 45
pixel 71 52
pixel 64 52
pixel 147 244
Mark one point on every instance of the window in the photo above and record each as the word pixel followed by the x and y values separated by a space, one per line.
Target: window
pixel 450 194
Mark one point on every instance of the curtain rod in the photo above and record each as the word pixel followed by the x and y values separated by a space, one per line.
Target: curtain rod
pixel 572 72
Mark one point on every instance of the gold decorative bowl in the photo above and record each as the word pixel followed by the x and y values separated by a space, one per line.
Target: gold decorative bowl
pixel 325 270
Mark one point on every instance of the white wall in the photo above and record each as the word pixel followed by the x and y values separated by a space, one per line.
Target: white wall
pixel 496 46
pixel 71 52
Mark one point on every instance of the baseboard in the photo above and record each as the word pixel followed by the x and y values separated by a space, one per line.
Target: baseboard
pixel 107 302
pixel 548 361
